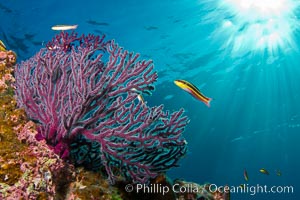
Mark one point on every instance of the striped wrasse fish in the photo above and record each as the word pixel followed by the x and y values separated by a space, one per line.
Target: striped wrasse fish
pixel 193 90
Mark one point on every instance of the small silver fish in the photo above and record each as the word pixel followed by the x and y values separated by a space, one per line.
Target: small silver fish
pixel 64 27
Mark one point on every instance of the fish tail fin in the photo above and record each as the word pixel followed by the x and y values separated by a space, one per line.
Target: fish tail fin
pixel 208 102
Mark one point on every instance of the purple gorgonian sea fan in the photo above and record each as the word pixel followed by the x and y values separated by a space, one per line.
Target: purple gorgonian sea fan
pixel 83 91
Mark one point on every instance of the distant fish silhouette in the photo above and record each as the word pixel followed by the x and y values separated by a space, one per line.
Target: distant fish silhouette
pixel 148 28
pixel 28 36
pixel 278 172
pixel 37 43
pixel 93 22
pixel 5 9
pixel 98 31
pixel 170 96
pixel 20 43
pixel 9 43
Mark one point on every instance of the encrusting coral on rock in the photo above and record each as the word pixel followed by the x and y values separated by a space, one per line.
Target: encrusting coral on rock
pixel 28 168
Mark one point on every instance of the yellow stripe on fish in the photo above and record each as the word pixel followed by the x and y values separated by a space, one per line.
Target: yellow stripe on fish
pixel 264 171
pixel 2 46
pixel 139 96
pixel 193 90
pixel 246 175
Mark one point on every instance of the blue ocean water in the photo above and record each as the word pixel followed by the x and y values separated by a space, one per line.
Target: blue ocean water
pixel 254 118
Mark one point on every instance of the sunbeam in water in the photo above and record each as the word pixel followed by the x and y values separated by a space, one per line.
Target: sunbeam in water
pixel 258 26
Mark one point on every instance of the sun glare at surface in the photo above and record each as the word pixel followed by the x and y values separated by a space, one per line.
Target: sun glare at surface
pixel 259 9
pixel 257 25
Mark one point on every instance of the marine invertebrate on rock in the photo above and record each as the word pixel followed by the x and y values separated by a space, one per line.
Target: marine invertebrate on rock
pixel 7 59
pixel 3 60
pixel 11 58
pixel 81 89
pixel 3 86
pixel 41 175
pixel 27 170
